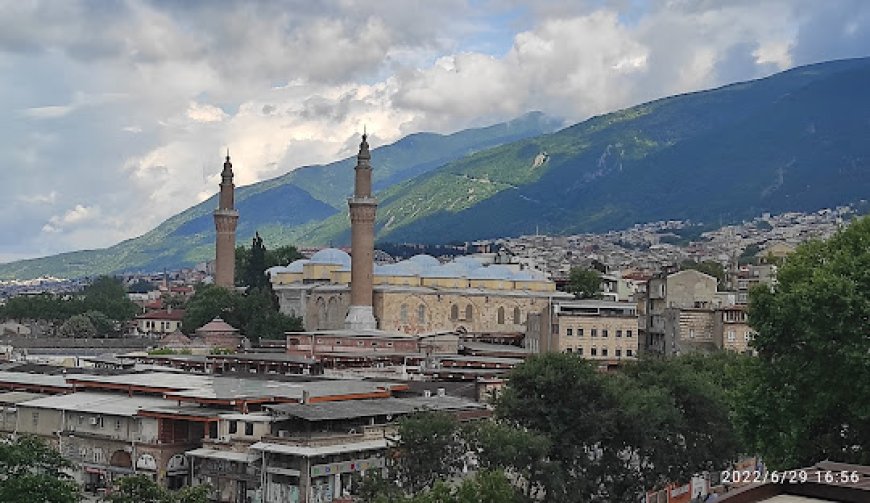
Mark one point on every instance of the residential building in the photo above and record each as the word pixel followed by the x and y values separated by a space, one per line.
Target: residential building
pixel 594 329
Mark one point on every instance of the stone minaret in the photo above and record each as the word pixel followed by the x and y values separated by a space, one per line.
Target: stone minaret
pixel 225 219
pixel 362 231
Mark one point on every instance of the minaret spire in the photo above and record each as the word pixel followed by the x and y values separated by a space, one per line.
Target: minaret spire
pixel 363 207
pixel 225 220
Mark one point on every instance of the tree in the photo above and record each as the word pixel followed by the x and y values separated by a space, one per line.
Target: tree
pixel 107 295
pixel 807 398
pixel 103 326
pixel 429 449
pixel 29 467
pixel 209 302
pixel 584 283
pixel 255 274
pixel 142 489
pixel 79 326
pixel 611 436
pixel 255 312
pixel 522 453
pixel 709 267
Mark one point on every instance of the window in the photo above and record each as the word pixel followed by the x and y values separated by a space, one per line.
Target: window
pixel 580 351
pixel 118 424
pixel 468 312
pixel 628 333
pixel 619 333
pixel 593 352
pixel 627 352
pixel 35 418
pixel 568 350
pixel 234 427
pixel 731 336
pixel 594 332
pixel 579 332
pixel 501 315
pixel 421 314
pixel 454 312
pixel 517 316
pixel 618 353
pixel 81 419
pixel 603 351
pixel 569 332
pixel 604 333
pixel 403 313
pixel 747 336
pixel 691 333
pixel 249 429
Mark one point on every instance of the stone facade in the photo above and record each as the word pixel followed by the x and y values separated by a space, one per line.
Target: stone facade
pixel 732 331
pixel 420 310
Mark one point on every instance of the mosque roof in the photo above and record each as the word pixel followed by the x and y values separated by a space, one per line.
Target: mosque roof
pixel 330 256
pixel 296 265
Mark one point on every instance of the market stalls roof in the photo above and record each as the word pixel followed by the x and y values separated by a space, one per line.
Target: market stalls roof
pixel 368 408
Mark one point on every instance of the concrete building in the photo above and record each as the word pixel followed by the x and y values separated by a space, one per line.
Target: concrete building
pixel 732 331
pixel 159 323
pixel 679 312
pixel 594 329
pixel 225 220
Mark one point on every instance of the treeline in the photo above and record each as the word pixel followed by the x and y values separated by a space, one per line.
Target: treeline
pixel 99 310
pixel 563 431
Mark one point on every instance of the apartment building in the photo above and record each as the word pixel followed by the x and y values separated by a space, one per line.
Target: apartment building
pixel 594 329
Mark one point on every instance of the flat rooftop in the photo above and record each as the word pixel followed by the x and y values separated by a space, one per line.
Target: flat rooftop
pixel 112 404
pixel 368 408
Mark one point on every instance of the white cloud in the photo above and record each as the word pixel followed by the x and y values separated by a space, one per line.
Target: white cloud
pixel 154 92
pixel 49 198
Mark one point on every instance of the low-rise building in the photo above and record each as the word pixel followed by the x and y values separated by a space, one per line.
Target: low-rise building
pixel 594 329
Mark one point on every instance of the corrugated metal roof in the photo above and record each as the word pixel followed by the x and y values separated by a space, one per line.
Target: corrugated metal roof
pixel 111 404
pixel 376 407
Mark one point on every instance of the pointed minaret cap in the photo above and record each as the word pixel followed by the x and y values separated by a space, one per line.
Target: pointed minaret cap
pixel 364 146
pixel 228 166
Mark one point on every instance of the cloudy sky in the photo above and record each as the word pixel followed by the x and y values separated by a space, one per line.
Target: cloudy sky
pixel 114 114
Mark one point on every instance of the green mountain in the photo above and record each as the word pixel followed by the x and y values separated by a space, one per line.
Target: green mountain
pixel 796 140
pixel 281 207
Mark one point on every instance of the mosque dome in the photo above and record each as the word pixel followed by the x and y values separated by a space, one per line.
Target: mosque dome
pixel 331 256
pixel 296 266
pixel 424 261
pixel 491 272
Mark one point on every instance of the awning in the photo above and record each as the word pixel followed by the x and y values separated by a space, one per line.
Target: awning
pixel 238 457
pixel 322 450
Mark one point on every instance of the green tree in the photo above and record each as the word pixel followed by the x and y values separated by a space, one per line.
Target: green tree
pixel 141 286
pixel 79 326
pixel 429 449
pixel 29 467
pixel 142 489
pixel 282 255
pixel 209 302
pixel 255 274
pixel 255 312
pixel 584 283
pixel 807 397
pixel 522 453
pixel 103 325
pixel 107 295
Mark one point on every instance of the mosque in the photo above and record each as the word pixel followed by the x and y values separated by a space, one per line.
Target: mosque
pixel 334 291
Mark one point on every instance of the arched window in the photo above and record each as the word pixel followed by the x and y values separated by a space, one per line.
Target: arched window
pixel 501 315
pixel 421 314
pixel 454 312
pixel 403 313
pixel 517 316
pixel 468 312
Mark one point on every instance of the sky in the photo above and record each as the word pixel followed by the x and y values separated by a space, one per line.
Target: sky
pixel 115 115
